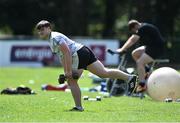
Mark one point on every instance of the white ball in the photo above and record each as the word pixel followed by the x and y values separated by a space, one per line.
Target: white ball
pixel 164 83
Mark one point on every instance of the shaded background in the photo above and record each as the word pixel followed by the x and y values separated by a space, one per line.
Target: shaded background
pixel 93 18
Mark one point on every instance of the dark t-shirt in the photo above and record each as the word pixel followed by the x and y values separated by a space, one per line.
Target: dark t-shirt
pixel 150 36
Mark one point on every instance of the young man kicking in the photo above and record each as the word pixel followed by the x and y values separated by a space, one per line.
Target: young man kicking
pixel 77 57
pixel 152 47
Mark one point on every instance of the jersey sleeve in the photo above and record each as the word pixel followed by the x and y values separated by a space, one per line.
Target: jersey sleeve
pixel 59 40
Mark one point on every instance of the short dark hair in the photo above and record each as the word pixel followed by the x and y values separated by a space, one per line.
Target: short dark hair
pixel 43 23
pixel 132 24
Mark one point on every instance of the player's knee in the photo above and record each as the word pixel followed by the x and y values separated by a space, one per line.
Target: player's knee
pixel 72 82
pixel 135 55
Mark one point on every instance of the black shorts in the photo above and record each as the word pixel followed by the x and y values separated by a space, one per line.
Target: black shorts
pixel 86 57
pixel 155 52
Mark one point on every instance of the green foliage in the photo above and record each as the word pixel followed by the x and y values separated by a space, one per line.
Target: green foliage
pixel 95 30
pixel 5 30
pixel 121 28
pixel 51 106
pixel 84 17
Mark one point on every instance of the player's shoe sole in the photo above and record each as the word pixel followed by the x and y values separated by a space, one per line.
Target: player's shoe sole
pixel 76 109
pixel 132 84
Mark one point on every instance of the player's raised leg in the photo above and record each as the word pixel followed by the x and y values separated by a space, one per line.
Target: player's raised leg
pixel 98 69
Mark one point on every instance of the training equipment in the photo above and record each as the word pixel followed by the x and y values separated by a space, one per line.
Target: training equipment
pixel 62 78
pixel 164 83
pixel 168 100
pixel 140 91
pixel 117 87
pixel 98 98
pixel 178 100
pixel 48 87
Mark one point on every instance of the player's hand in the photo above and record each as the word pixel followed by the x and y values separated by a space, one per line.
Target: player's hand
pixel 112 52
pixel 120 50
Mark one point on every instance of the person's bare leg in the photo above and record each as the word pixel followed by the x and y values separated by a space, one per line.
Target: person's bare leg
pixel 141 59
pixel 75 90
pixel 98 69
pixel 136 54
pixel 141 62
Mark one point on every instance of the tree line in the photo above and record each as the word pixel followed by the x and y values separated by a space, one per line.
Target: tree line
pixel 95 18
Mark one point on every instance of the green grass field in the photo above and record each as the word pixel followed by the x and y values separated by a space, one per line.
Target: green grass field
pixel 53 106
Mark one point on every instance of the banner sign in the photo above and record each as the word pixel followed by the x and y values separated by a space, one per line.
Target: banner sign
pixel 37 53
pixel 99 51
pixel 30 53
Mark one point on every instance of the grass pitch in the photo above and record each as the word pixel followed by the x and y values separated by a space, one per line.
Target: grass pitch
pixel 53 106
